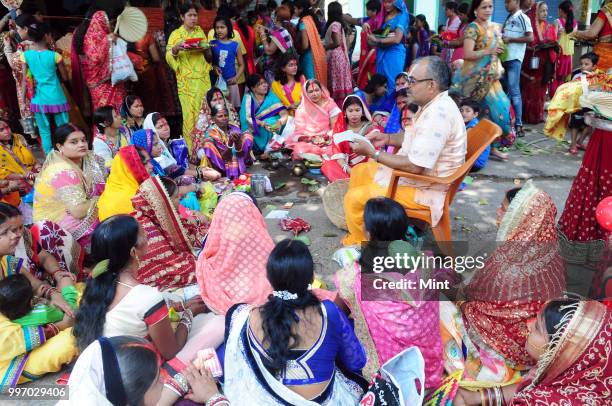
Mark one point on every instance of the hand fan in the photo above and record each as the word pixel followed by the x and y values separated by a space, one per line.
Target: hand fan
pixel 131 24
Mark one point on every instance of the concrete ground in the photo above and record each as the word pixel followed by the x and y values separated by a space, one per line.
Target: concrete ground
pixel 535 157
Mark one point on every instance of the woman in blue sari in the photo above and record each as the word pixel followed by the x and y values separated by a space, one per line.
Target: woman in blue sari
pixel 390 47
pixel 261 112
pixel 478 76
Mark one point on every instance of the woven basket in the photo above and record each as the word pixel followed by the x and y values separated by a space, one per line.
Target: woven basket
pixel 333 202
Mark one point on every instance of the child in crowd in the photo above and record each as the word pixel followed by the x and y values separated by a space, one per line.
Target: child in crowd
pixel 49 99
pixel 227 61
pixel 588 64
pixel 470 111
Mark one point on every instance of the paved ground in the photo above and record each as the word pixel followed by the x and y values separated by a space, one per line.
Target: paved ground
pixel 544 161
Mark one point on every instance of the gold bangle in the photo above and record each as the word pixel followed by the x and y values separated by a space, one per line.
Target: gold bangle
pixel 483 402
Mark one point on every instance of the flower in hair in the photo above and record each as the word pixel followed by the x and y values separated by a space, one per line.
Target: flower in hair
pixel 284 295
pixel 100 268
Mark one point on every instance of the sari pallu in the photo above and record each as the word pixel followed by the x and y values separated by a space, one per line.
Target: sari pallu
pixel 247 381
pixel 576 368
pixel 62 185
pixel 15 159
pixel 170 259
pixel 232 265
pixel 126 175
pixel 316 51
pixel 267 112
pixel 367 53
pixel 479 80
pixel 521 274
pixel 229 151
pixel 390 59
pixel 96 64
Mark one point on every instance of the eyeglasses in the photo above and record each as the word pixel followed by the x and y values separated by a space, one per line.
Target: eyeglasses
pixel 410 80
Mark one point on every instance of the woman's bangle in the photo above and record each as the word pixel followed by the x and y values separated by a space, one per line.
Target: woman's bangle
pixel 376 155
pixel 216 399
pixel 388 139
pixel 50 292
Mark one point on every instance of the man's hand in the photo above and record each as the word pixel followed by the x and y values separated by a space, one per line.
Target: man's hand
pixel 378 139
pixel 362 148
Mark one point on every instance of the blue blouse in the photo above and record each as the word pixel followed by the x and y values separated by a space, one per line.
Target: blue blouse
pixel 336 341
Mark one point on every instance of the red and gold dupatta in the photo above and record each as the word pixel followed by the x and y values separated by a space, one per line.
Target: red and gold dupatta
pixel 170 260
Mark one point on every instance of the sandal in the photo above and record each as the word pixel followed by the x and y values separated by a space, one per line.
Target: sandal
pixel 520 132
pixel 498 155
pixel 573 150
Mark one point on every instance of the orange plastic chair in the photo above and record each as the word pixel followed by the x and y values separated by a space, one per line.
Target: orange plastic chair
pixel 478 138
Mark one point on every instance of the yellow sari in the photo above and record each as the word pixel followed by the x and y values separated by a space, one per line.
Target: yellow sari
pixel 26 355
pixel 61 186
pixel 192 77
pixel 15 160
pixel 126 175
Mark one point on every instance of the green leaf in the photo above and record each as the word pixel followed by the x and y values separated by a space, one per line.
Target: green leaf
pixel 270 207
pixel 280 185
pixel 313 188
pixel 330 235
pixel 468 180
pixel 307 181
pixel 303 238
pixel 459 217
pixel 483 202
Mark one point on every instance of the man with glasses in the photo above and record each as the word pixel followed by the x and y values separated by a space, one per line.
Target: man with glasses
pixel 435 145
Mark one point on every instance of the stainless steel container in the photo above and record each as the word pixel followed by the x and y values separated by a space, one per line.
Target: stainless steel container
pixel 258 185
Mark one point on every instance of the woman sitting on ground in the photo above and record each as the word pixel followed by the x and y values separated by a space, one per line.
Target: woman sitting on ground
pixel 69 185
pixel 110 134
pixel 570 340
pixel 293 325
pixel 129 374
pixel 224 148
pixel 169 163
pixel 388 323
pixel 170 260
pixel 213 96
pixel 115 303
pixel 132 113
pixel 261 113
pixel 314 120
pixel 288 84
pixel 17 164
pixel 130 167
pixel 34 339
pixel 355 117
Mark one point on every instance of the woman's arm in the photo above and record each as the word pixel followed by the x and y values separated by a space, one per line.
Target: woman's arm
pixel 335 40
pixel 61 68
pixel 168 342
pixel 154 52
pixel 592 32
pixel 469 54
pixel 304 44
pixel 239 68
pixel 392 40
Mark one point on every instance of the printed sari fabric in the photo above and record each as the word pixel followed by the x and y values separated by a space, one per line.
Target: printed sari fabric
pixel 338 65
pixel 390 59
pixel 268 112
pixel 97 67
pixel 603 47
pixel 312 133
pixel 576 367
pixel 331 168
pixel 15 158
pixel 192 77
pixel 247 381
pixel 170 259
pixel 479 80
pixel 581 237
pixel 61 186
pixel 126 175
pixel 314 60
pixel 232 266
pixel 44 236
pixel 228 152
pixel 521 274
pixel 26 355
pixel 534 91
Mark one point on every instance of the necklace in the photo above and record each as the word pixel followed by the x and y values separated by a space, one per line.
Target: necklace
pixel 125 284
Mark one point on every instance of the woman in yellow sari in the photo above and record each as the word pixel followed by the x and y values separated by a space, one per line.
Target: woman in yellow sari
pixel 191 66
pixel 130 167
pixel 71 180
pixel 16 161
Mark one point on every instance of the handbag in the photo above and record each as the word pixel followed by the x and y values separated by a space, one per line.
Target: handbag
pixel 122 68
pixel 399 382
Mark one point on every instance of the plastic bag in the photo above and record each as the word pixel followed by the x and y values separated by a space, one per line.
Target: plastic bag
pixel 208 200
pixel 222 85
pixel 122 68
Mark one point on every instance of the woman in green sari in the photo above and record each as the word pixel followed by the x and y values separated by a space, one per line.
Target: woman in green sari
pixel 478 76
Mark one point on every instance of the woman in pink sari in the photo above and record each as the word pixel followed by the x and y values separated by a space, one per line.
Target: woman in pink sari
pixel 387 322
pixel 92 42
pixel 232 266
pixel 314 120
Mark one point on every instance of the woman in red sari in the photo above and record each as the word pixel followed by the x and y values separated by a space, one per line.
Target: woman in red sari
pixel 534 82
pixel 571 341
pixel 523 273
pixel 92 42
